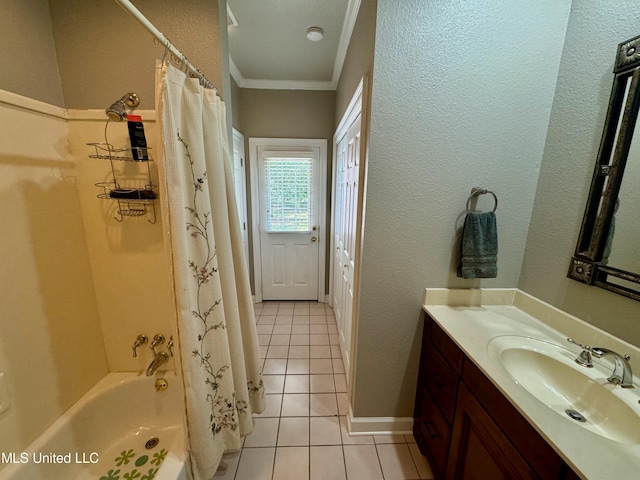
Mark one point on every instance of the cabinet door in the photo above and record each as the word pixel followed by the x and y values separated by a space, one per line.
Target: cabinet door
pixel 479 448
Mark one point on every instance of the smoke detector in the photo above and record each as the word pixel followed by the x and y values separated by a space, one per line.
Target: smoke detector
pixel 315 34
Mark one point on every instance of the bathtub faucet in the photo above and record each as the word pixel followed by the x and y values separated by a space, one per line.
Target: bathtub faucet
pixel 160 358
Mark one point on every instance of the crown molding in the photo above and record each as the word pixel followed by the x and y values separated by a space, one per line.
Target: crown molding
pixel 345 38
pixel 351 15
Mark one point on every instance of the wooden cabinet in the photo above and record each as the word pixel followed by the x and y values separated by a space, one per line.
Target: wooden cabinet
pixel 467 428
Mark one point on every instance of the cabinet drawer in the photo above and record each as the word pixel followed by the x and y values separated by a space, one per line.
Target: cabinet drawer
pixel 450 351
pixel 442 381
pixel 436 432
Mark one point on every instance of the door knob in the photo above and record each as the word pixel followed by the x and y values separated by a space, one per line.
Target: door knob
pixel 314 228
pixel 313 239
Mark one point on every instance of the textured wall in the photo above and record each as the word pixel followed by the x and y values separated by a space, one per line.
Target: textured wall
pixel 104 53
pixel 51 348
pixel 29 65
pixel 359 58
pixel 462 92
pixel 575 128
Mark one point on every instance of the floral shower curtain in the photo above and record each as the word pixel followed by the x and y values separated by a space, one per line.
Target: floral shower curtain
pixel 219 353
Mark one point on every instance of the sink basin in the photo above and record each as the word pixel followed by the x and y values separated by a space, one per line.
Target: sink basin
pixel 578 394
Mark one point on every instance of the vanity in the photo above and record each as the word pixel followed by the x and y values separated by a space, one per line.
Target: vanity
pixel 500 395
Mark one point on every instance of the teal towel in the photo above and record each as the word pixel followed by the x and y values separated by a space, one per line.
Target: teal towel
pixel 479 246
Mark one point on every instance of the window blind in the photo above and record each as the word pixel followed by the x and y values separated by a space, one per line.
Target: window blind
pixel 288 194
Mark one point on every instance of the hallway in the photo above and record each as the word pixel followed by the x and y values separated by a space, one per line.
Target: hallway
pixel 302 433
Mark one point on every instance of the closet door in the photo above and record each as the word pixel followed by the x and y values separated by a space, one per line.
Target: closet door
pixel 347 185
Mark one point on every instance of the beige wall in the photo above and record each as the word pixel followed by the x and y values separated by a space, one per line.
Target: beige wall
pixel 288 114
pixel 575 128
pixel 452 108
pixel 104 53
pixel 28 52
pixel 129 261
pixel 51 347
pixel 359 58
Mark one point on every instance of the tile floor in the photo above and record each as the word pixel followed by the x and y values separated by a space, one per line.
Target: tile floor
pixel 302 433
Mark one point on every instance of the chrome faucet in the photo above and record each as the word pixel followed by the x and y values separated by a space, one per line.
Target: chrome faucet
pixel 159 358
pixel 622 374
pixel 584 357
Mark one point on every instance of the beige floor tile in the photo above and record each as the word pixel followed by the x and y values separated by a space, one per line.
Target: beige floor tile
pixel 296 384
pixel 319 339
pixel 341 382
pixel 300 329
pixel 324 431
pixel 396 462
pixel 264 339
pixel 256 464
pixel 299 339
pixel 327 463
pixel 318 329
pixel 275 366
pixel 318 320
pixel 299 351
pixel 263 351
pixel 323 405
pixel 353 439
pixel 301 320
pixel 334 339
pixel 389 439
pixel 294 432
pixel 280 339
pixel 422 464
pixel 343 403
pixel 320 351
pixel 315 311
pixel 285 310
pixel 292 463
pixel 322 384
pixel 301 310
pixel 410 439
pixel 338 365
pixel 298 366
pixel 320 365
pixel 264 329
pixel 362 462
pixel 269 311
pixel 332 329
pixel 273 383
pixel 228 466
pixel 278 351
pixel 265 433
pixel 284 320
pixel 274 402
pixel 335 351
pixel 295 405
pixel 281 329
pixel 266 320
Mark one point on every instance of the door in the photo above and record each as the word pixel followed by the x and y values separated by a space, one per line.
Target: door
pixel 289 202
pixel 345 222
pixel 240 183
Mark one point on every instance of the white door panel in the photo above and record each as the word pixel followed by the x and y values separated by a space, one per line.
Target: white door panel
pixel 288 219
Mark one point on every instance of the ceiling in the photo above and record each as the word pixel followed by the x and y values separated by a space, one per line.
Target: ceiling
pixel 268 46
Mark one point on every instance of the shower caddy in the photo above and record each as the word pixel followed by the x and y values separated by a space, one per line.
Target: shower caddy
pixel 132 202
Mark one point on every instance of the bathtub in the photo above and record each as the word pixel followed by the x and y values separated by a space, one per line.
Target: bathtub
pixel 122 428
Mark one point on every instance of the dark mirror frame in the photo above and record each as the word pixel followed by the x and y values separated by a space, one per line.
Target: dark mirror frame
pixel 587 264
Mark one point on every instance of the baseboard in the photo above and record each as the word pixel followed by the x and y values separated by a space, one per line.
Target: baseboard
pixel 379 425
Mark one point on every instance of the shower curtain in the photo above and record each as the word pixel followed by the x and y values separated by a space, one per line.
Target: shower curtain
pixel 219 354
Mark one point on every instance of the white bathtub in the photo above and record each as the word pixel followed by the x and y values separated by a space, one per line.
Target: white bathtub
pixel 103 435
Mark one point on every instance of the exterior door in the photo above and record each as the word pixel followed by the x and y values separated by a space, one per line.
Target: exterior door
pixel 345 221
pixel 290 222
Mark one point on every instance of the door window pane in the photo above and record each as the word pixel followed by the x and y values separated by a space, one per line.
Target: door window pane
pixel 288 194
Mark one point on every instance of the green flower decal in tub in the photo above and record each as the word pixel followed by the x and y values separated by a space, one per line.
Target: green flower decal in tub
pixel 140 460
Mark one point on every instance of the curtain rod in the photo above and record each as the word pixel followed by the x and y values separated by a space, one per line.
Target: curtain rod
pixel 144 21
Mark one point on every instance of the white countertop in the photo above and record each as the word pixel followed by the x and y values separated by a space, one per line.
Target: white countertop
pixel 473 317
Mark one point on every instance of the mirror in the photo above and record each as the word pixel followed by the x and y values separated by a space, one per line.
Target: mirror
pixel 608 251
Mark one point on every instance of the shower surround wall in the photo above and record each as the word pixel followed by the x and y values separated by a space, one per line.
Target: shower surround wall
pixel 78 286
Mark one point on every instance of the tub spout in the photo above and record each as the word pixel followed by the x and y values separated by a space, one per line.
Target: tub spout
pixel 159 359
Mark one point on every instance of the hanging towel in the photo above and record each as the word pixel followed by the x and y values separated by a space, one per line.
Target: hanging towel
pixel 479 246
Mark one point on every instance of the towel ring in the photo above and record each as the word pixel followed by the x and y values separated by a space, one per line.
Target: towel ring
pixel 476 192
